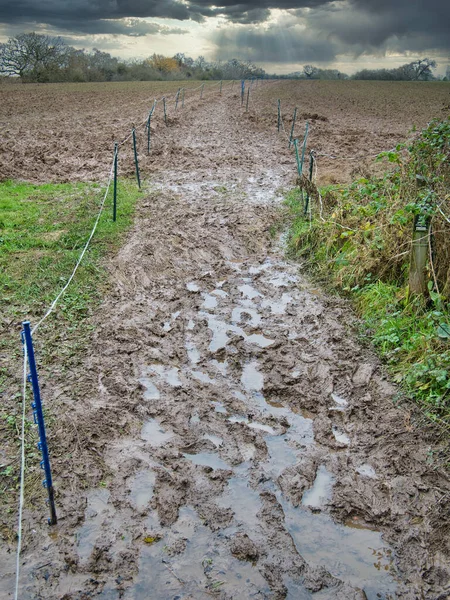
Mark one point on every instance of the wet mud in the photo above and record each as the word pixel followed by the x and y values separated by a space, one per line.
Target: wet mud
pixel 232 438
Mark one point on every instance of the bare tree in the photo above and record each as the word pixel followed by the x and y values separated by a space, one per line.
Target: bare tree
pixel 422 68
pixel 31 55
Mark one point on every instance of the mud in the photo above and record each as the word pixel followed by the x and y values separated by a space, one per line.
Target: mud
pixel 232 438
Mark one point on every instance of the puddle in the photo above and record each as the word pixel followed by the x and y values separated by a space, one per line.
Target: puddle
pixel 203 377
pixel 357 556
pixel 203 570
pixel 340 402
pixel 278 307
pixel 153 433
pixel 243 501
pixel 220 366
pixel 190 326
pixel 366 471
pixel 281 456
pixel 142 489
pixel 219 330
pixel 340 436
pixel 192 287
pixel 282 280
pixel 219 407
pixel 209 301
pixel 238 312
pixel 249 291
pixel 251 378
pixel 192 352
pixel 300 428
pixel 220 293
pixel 215 439
pixel 259 340
pixel 195 419
pixel 261 427
pixel 167 374
pixel 260 268
pixel 238 419
pixel 321 491
pixel 151 391
pixel 97 511
pixel 207 459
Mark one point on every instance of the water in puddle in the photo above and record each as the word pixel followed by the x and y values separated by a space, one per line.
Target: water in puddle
pixel 341 403
pixel 251 378
pixel 255 317
pixel 167 374
pixel 366 471
pixel 154 434
pixel 281 456
pixel 142 488
pixel 220 366
pixel 259 340
pixel 203 377
pixel 190 326
pixel 192 287
pixel 97 511
pixel 219 330
pixel 340 436
pixel 205 569
pixel 151 391
pixel 215 439
pixel 278 307
pixel 192 352
pixel 207 459
pixel 243 501
pixel 249 291
pixel 261 427
pixel 357 556
pixel 220 293
pixel 209 301
pixel 219 407
pixel 321 491
pixel 195 419
pixel 282 280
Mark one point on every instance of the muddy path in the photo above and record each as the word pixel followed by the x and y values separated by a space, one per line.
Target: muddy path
pixel 228 437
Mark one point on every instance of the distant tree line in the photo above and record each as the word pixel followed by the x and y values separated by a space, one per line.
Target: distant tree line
pixel 33 57
pixel 418 70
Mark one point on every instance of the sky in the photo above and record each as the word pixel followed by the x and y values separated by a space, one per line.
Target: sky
pixel 279 35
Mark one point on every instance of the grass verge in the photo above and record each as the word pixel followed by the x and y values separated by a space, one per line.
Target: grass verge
pixel 359 241
pixel 43 229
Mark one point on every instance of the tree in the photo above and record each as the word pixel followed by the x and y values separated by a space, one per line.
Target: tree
pixel 309 71
pixel 32 56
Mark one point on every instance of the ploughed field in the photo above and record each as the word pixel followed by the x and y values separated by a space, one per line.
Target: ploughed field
pixel 66 132
pixel 225 435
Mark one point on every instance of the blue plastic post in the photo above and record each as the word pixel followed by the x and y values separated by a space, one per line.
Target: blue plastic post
pixel 116 157
pixel 39 420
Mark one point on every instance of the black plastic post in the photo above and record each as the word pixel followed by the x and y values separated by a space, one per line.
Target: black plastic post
pixel 248 96
pixel 279 116
pixel 39 420
pixel 165 112
pixel 116 155
pixel 136 162
pixel 311 167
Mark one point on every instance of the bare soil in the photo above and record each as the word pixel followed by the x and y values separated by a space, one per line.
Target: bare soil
pixel 227 436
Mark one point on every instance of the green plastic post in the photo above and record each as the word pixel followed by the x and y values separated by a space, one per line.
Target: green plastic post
pixel 201 91
pixel 116 154
pixel 304 147
pixel 176 98
pixel 221 87
pixel 136 162
pixel 297 157
pixel 291 137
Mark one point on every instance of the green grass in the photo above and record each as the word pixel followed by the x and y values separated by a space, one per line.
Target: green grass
pixel 360 245
pixel 43 229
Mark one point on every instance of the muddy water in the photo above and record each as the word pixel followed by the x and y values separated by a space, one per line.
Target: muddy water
pixel 228 436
